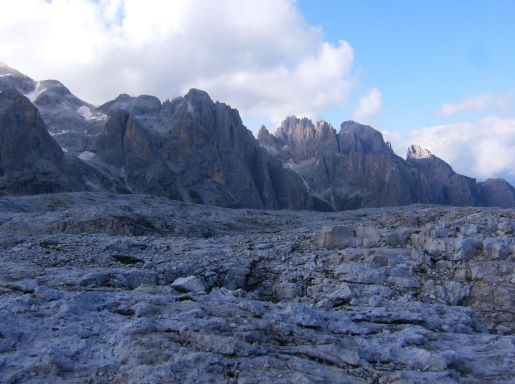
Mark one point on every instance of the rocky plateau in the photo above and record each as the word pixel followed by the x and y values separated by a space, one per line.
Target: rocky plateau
pixel 109 288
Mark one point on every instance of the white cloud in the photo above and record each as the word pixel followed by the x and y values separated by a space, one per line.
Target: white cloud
pixel 395 139
pixel 477 103
pixel 260 56
pixel 369 105
pixel 483 148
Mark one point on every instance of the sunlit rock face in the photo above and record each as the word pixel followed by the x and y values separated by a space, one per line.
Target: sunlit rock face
pixel 356 168
pixel 416 152
pixel 196 150
pixel 447 187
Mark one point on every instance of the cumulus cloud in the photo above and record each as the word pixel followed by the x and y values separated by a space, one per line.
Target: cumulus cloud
pixel 261 56
pixel 477 103
pixel 396 140
pixel 482 149
pixel 369 105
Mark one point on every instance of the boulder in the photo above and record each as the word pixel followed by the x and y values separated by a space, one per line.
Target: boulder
pixel 189 284
pixel 340 236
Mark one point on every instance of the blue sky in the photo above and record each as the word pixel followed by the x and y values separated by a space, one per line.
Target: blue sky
pixel 421 55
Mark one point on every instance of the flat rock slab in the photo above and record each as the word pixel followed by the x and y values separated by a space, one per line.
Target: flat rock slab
pixel 202 294
pixel 189 284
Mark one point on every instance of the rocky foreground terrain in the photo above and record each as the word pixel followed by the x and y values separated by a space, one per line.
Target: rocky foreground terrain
pixel 106 288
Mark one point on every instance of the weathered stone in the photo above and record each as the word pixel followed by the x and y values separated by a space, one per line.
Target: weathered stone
pixel 494 249
pixel 370 236
pixel 260 299
pixel 189 284
pixel 31 161
pixel 332 237
pixel 467 248
pixel 341 295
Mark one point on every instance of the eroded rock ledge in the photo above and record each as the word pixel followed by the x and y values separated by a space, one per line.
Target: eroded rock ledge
pixel 105 288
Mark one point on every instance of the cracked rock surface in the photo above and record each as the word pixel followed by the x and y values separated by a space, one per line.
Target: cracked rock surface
pixel 105 288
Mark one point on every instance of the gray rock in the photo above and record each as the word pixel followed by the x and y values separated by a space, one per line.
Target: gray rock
pixel 341 295
pixel 467 248
pixel 189 284
pixel 30 160
pixel 262 300
pixel 332 237
pixel 196 150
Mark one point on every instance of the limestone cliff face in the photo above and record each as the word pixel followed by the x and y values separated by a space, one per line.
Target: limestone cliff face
pixel 194 149
pixel 350 169
pixel 446 186
pixel 11 78
pixel 497 193
pixel 30 160
pixel 356 168
pixel 355 137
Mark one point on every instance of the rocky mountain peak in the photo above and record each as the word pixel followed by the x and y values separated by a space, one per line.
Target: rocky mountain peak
pixel 10 98
pixel 416 152
pixel 264 136
pixel 498 192
pixel 354 127
pixel 198 150
pixel 263 131
pixel 30 160
pixel 196 106
pixel 324 126
pixel 140 105
pixel 326 138
pixel 195 94
pixel 298 135
pixel 6 70
pixel 52 93
pixel 356 137
pixel 11 78
pixel 296 129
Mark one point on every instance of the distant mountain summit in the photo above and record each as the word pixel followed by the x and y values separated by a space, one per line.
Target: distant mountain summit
pixel 416 152
pixel 197 150
pixel 356 168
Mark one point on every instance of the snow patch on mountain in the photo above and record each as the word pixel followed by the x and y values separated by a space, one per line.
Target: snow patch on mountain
pixel 86 113
pixel 53 133
pixel 86 155
pixel 293 167
pixel 38 90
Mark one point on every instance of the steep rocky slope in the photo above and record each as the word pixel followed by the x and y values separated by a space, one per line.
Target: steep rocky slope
pixel 70 120
pixel 356 168
pixel 498 193
pixel 189 148
pixel 30 160
pixel 108 288
pixel 350 169
pixel 196 150
pixel 446 186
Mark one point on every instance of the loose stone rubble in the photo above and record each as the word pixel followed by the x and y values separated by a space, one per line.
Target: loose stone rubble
pixel 104 288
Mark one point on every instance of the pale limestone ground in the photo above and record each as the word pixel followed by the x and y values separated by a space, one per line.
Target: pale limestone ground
pixel 101 288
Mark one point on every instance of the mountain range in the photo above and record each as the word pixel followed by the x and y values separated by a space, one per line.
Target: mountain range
pixel 196 150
